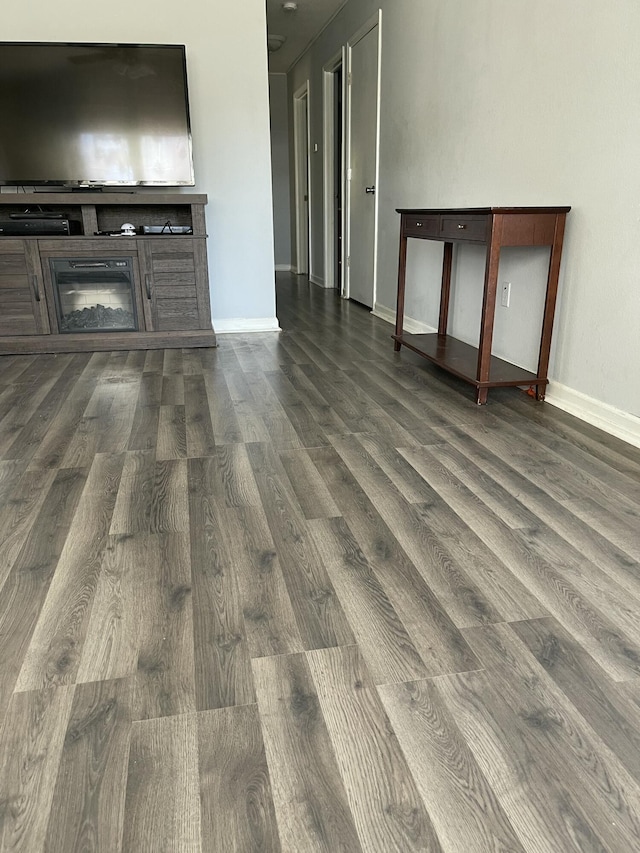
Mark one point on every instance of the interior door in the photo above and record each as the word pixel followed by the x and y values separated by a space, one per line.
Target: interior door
pixel 363 150
pixel 338 176
pixel 301 149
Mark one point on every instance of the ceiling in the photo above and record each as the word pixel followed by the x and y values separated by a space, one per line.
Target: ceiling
pixel 298 27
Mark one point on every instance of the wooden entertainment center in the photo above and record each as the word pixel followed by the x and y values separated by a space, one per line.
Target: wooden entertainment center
pixel 165 273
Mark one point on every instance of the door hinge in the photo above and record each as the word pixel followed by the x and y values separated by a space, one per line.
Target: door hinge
pixel 348 260
pixel 349 79
pixel 348 174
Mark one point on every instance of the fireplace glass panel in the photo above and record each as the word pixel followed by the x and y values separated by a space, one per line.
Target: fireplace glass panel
pixel 94 296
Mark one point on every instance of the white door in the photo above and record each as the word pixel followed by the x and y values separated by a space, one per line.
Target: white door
pixel 362 166
pixel 301 153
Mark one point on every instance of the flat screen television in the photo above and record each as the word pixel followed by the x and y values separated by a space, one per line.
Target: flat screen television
pixel 86 115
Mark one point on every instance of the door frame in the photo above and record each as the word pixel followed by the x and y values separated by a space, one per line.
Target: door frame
pixel 373 22
pixel 330 166
pixel 301 120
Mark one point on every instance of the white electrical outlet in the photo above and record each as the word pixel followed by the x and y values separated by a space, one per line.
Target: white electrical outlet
pixel 506 294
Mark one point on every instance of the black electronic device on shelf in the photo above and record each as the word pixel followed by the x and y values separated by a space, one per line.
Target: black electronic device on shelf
pixel 39 227
pixel 37 214
pixel 167 229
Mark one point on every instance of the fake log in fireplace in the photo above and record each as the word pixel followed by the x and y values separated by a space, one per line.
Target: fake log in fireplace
pixel 94 295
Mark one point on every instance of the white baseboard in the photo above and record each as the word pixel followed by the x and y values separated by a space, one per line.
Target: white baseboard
pixel 314 279
pixel 384 313
pixel 241 324
pixel 413 327
pixel 602 415
pixel 284 268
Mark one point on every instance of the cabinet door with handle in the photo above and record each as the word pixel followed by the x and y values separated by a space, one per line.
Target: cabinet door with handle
pixel 174 283
pixel 23 309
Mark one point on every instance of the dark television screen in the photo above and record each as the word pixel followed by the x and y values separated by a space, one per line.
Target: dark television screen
pixel 87 114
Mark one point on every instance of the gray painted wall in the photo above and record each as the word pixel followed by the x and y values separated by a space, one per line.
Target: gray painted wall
pixel 511 103
pixel 279 101
pixel 228 86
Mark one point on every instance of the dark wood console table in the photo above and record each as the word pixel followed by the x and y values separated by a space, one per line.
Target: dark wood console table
pixel 493 227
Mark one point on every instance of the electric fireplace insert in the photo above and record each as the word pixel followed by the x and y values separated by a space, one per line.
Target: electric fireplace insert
pixel 94 295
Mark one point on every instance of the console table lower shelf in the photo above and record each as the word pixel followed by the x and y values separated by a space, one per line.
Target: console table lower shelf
pixel 461 360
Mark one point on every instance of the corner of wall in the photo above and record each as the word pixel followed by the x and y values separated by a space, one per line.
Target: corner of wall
pixel 413 327
pixel 319 281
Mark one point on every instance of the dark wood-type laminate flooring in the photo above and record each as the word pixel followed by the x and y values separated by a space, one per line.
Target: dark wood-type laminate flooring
pixel 299 593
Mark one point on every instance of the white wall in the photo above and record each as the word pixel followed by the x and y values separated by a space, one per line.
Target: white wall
pixel 509 102
pixel 228 86
pixel 279 110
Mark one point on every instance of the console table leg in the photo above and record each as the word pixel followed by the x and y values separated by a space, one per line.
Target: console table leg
pixel 402 270
pixel 550 298
pixel 445 290
pixel 489 303
pixel 481 396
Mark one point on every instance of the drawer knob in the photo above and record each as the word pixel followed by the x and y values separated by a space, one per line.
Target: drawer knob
pixel 418 224
pixel 461 225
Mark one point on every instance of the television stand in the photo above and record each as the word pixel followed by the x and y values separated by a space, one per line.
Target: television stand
pixel 168 272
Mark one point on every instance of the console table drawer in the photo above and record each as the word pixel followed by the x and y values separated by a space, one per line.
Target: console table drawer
pixel 421 226
pixel 472 228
